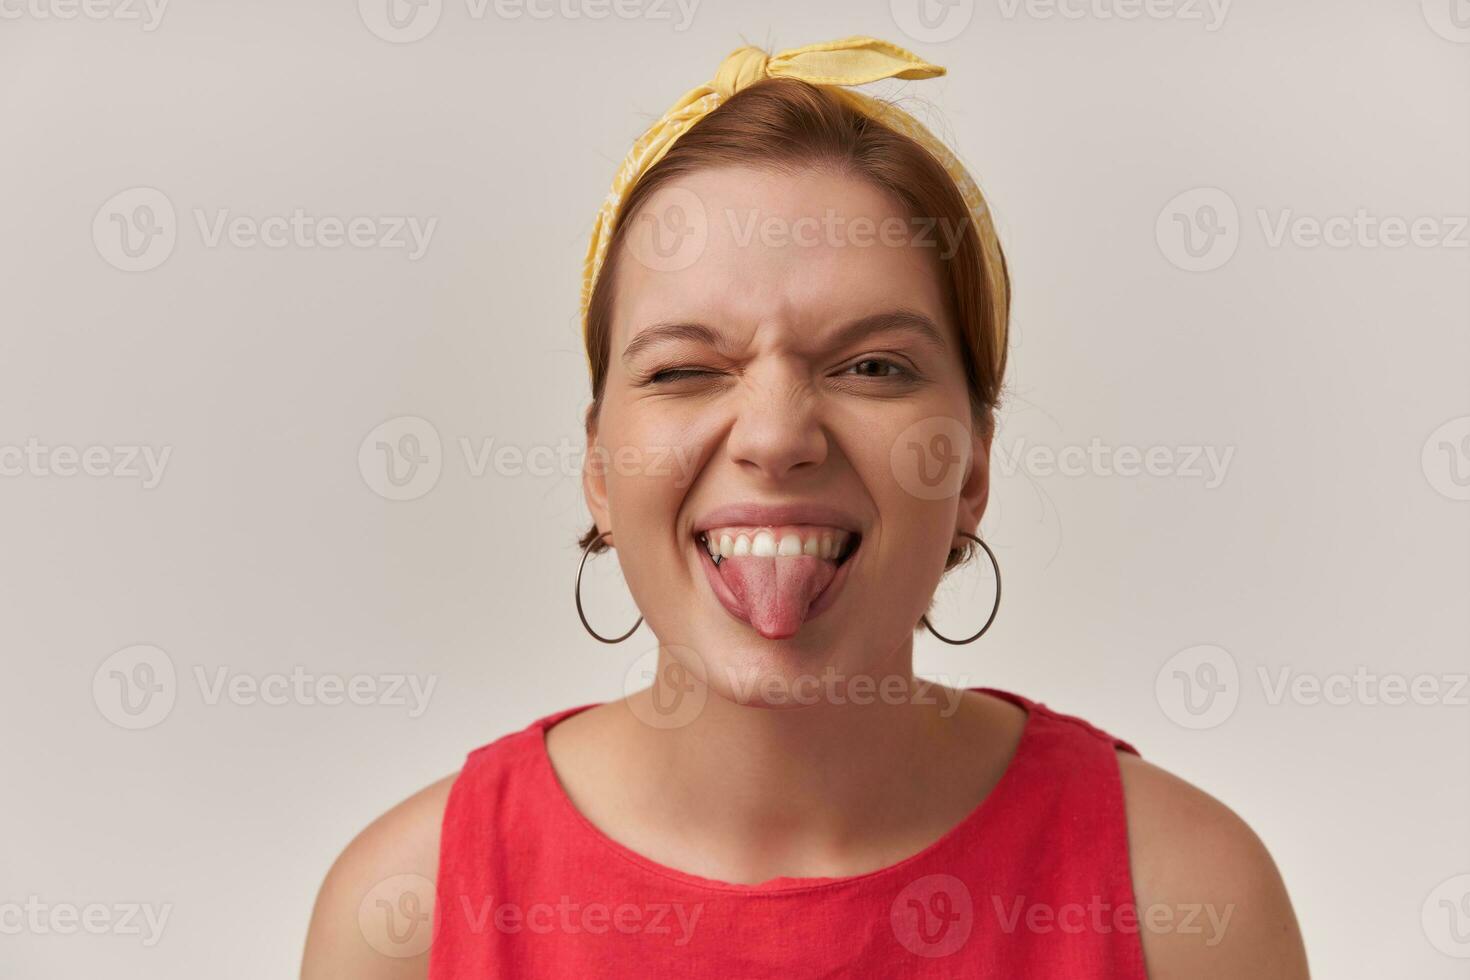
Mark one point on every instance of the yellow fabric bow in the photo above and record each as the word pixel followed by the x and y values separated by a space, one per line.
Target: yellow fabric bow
pixel 849 61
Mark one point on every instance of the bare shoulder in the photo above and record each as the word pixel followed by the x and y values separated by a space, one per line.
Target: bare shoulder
pixel 1211 902
pixel 370 920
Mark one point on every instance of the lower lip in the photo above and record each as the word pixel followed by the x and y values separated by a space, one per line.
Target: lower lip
pixel 732 605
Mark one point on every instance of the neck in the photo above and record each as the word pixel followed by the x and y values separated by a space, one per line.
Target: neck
pixel 819 784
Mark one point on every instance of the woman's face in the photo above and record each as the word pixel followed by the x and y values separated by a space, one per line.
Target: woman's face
pixel 783 369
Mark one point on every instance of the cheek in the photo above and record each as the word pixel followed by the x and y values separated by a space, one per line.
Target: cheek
pixel 911 456
pixel 652 455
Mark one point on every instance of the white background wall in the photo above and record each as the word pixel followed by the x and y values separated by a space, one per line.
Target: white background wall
pixel 1338 537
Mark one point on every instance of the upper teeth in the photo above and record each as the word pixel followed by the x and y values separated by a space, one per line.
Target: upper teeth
pixel 817 542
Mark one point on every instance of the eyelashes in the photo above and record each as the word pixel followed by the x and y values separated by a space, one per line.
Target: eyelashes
pixel 901 372
pixel 896 371
pixel 670 375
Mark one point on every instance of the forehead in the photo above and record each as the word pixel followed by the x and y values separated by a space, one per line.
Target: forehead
pixel 743 250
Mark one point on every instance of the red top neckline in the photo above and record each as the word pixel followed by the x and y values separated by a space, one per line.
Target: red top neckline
pixel 967 826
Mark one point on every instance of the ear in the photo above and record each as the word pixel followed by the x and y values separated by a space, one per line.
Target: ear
pixel 975 492
pixel 594 475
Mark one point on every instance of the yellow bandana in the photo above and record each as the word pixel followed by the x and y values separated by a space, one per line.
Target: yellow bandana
pixel 850 61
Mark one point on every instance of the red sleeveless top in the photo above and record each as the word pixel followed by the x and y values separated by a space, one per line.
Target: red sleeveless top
pixel 1034 882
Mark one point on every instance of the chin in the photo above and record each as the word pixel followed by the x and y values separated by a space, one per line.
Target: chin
pixel 738 666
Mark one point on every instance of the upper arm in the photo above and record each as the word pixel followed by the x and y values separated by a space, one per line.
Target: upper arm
pixel 373 915
pixel 1211 902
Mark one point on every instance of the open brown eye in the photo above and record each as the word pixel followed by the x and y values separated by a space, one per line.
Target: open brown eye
pixel 878 367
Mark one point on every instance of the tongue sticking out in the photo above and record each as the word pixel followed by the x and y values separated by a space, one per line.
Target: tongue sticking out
pixel 775 593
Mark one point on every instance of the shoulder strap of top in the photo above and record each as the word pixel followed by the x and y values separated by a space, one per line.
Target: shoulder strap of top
pixel 1065 830
pixel 499 787
pixel 490 772
pixel 1048 716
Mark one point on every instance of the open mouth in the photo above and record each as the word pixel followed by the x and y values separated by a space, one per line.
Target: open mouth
pixel 776 578
pixel 826 543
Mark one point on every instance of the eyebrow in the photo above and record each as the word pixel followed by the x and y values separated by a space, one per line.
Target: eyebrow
pixel 899 319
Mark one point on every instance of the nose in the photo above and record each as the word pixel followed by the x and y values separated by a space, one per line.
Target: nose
pixel 778 428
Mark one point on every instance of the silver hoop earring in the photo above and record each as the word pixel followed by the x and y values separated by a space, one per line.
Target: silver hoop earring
pixel 577 594
pixel 994 609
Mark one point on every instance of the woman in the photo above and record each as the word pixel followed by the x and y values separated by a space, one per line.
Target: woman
pixel 795 313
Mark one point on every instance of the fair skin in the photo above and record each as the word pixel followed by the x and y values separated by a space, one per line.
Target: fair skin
pixel 786 406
